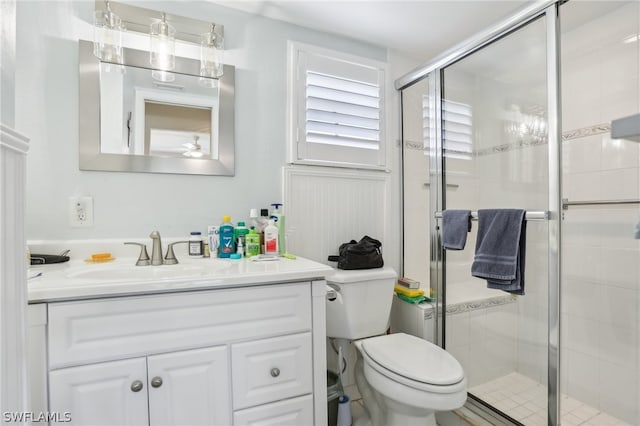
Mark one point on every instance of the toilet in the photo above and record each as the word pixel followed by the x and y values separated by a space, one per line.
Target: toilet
pixel 403 380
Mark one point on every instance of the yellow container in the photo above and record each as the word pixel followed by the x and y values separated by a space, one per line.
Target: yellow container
pixel 410 292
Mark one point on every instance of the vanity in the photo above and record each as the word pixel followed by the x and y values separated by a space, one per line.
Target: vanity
pixel 204 342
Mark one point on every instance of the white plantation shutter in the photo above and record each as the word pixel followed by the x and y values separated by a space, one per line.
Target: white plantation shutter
pixel 342 112
pixel 457 138
pixel 338 109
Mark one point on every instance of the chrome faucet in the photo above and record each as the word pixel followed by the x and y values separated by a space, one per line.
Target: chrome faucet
pixel 156 251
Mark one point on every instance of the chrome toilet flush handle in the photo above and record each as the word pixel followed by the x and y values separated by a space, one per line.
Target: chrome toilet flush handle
pixel 143 258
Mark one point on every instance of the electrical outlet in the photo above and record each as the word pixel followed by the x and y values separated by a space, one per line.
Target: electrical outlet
pixel 80 211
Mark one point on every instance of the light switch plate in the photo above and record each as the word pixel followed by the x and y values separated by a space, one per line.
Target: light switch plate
pixel 80 211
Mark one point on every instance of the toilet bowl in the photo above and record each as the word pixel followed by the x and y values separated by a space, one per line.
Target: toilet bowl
pixel 403 380
pixel 410 379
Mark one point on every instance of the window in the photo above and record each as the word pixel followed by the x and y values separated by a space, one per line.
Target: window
pixel 336 108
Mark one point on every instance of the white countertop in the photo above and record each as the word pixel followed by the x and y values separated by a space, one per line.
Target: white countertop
pixel 78 279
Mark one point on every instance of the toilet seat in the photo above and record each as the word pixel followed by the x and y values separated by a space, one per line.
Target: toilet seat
pixel 413 362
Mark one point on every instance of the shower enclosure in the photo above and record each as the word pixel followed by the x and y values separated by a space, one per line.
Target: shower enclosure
pixel 519 117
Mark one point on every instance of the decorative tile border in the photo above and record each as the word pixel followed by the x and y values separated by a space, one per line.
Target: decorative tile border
pixel 474 305
pixel 509 147
pixel 415 145
pixel 568 135
pixel 598 129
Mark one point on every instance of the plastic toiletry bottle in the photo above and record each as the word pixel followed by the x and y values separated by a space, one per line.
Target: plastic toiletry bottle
pixel 195 244
pixel 253 243
pixel 240 235
pixel 213 234
pixel 226 237
pixel 278 217
pixel 264 221
pixel 271 238
pixel 240 247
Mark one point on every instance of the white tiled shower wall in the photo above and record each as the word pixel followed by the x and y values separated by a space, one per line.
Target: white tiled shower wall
pixel 600 294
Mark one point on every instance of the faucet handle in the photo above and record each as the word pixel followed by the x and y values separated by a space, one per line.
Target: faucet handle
pixel 143 258
pixel 170 258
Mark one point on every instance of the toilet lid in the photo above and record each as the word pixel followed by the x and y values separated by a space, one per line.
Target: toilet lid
pixel 414 358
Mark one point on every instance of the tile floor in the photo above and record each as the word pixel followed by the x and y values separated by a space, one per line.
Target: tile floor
pixel 526 400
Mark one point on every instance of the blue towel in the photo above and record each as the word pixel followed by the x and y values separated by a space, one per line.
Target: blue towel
pixel 455 226
pixel 500 249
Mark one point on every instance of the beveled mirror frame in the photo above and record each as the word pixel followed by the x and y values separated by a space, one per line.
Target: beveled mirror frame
pixel 91 158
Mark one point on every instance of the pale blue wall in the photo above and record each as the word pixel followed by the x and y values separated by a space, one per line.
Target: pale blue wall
pixel 133 204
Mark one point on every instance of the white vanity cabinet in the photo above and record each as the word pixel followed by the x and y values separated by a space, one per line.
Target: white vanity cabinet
pixel 179 388
pixel 101 394
pixel 237 356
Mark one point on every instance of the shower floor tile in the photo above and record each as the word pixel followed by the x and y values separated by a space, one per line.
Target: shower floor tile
pixel 525 400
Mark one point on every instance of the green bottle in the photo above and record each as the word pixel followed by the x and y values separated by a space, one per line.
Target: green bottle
pixel 252 240
pixel 240 234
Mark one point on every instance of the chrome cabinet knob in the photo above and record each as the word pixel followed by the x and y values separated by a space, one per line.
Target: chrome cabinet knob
pixel 156 382
pixel 275 372
pixel 136 386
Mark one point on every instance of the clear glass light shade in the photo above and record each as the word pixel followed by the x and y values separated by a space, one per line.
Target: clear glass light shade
pixel 211 54
pixel 162 50
pixel 107 36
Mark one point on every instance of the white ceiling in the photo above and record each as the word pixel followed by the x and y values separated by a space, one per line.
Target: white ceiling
pixel 420 29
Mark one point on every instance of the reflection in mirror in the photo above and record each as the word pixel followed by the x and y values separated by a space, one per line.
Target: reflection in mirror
pixel 149 117
pixel 131 122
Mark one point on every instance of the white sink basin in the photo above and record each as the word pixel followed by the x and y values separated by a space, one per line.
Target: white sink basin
pixel 119 271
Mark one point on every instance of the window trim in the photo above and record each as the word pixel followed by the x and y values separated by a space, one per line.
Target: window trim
pixel 294 108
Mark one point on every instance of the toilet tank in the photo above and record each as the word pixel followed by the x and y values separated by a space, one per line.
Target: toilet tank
pixel 363 302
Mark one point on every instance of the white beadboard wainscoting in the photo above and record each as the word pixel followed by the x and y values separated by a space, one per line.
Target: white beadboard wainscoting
pixel 326 207
pixel 13 277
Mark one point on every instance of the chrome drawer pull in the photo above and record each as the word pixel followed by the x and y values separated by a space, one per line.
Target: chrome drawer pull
pixel 275 372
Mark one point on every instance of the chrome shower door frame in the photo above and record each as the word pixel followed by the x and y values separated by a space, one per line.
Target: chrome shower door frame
pixel 549 11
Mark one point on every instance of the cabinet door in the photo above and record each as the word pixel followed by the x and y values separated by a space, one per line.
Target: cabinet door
pixel 190 387
pixel 109 393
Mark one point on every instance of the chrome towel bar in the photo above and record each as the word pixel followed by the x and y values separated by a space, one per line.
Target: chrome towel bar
pixel 566 203
pixel 530 215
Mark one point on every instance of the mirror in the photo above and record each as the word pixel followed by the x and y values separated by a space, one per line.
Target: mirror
pixel 131 122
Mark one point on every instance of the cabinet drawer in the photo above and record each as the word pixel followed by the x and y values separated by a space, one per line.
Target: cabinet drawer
pixel 90 331
pixel 271 369
pixel 292 412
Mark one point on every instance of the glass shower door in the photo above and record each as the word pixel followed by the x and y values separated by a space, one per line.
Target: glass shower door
pixel 601 275
pixel 494 147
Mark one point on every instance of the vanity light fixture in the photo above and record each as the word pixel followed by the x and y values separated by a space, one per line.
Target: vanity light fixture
pixel 162 50
pixel 107 35
pixel 211 56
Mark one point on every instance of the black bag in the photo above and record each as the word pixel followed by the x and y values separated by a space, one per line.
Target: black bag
pixel 364 254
